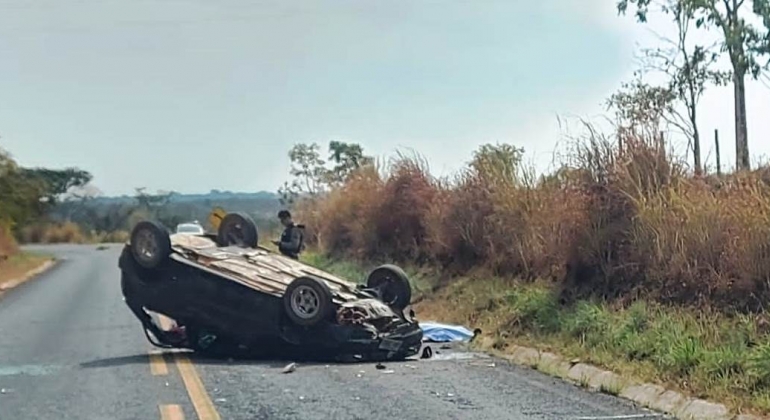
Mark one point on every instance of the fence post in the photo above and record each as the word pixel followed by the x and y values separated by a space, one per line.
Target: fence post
pixel 719 160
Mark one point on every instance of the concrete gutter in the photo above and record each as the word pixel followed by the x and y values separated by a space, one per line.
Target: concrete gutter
pixel 647 395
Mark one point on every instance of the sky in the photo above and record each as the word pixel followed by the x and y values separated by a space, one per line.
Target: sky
pixel 197 95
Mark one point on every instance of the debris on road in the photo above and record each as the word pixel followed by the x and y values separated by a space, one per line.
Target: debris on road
pixel 379 366
pixel 291 367
pixel 427 353
pixel 389 371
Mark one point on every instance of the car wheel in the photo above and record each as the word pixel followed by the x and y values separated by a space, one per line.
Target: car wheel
pixel 393 284
pixel 238 229
pixel 150 244
pixel 307 301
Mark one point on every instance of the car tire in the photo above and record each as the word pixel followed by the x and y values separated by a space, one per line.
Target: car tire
pixel 307 301
pixel 150 244
pixel 393 284
pixel 238 229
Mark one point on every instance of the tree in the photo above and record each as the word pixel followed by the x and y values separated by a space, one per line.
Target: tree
pixel 740 40
pixel 642 110
pixel 689 69
pixel 57 182
pixel 347 158
pixel 308 170
pixel 311 174
pixel 27 194
pixel 498 162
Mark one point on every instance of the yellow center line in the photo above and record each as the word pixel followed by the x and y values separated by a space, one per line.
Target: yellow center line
pixel 157 363
pixel 171 412
pixel 201 401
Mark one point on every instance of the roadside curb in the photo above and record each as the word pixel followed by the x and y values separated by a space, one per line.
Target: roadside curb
pixel 42 268
pixel 647 395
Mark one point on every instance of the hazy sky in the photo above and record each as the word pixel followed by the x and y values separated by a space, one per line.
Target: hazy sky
pixel 194 95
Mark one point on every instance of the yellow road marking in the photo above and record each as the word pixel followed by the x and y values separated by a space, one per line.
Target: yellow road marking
pixel 171 412
pixel 204 407
pixel 157 363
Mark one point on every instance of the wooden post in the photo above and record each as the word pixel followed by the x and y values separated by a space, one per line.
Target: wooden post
pixel 719 159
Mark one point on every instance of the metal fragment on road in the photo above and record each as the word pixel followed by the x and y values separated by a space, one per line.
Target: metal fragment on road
pixel 291 367
pixel 379 366
pixel 427 353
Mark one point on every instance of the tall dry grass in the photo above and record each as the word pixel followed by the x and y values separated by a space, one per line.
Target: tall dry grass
pixel 8 245
pixel 620 218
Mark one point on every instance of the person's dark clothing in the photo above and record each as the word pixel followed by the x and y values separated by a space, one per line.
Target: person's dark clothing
pixel 291 241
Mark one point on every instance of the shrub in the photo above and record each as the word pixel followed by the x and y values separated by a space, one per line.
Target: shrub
pixel 618 219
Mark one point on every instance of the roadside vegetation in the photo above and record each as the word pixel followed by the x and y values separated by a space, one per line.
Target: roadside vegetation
pixel 631 254
pixel 19 264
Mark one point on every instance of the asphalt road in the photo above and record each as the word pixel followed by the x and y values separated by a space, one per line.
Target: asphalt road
pixel 70 349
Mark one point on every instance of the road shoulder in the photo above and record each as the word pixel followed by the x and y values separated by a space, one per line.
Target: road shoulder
pixel 23 267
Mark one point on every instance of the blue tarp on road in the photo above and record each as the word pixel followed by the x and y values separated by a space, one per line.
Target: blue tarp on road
pixel 443 333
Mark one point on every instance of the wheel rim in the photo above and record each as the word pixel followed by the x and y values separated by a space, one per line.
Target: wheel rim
pixel 385 285
pixel 146 245
pixel 235 234
pixel 305 302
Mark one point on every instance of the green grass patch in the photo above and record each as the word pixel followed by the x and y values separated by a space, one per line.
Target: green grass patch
pixel 422 281
pixel 708 355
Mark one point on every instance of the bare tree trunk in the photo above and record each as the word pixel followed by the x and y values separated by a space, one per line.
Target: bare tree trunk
pixel 696 142
pixel 741 132
pixel 719 158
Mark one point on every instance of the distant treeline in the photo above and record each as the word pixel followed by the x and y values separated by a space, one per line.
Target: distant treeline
pixel 112 214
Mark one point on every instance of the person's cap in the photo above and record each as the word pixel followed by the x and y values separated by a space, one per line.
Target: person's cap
pixel 283 214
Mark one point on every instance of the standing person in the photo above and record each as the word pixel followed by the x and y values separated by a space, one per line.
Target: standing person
pixel 290 244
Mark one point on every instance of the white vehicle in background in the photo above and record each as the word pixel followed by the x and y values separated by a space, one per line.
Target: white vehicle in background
pixel 193 228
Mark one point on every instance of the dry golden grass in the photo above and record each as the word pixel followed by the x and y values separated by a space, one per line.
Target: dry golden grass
pixel 8 245
pixel 19 264
pixel 615 222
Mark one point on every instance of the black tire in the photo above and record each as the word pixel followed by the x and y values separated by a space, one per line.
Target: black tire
pixel 150 244
pixel 393 284
pixel 308 301
pixel 238 229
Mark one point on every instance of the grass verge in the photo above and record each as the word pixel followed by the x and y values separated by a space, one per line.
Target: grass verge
pixel 704 354
pixel 17 265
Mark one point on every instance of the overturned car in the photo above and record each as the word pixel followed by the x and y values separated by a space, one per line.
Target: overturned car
pixel 230 297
